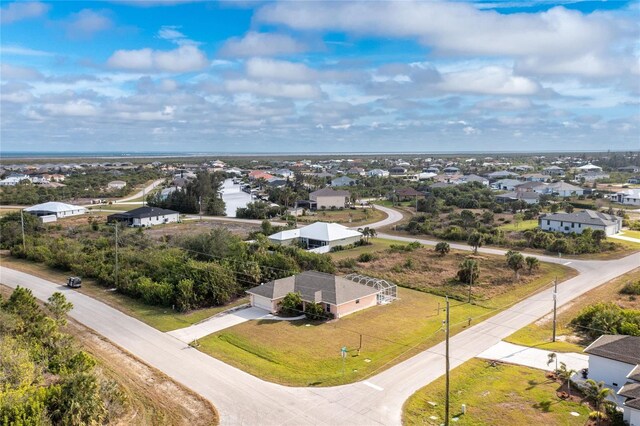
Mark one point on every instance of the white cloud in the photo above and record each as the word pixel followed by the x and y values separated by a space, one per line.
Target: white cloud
pixel 488 80
pixel 273 89
pixel 261 44
pixel 170 32
pixel 279 70
pixel 86 23
pixel 75 108
pixel 505 104
pixel 13 72
pixel 22 51
pixel 182 59
pixel 18 11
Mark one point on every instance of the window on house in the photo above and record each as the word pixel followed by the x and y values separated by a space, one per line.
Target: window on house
pixel 573 225
pixel 328 307
pixel 548 222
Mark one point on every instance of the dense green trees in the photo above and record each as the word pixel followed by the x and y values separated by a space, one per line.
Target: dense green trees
pixel 202 193
pixel 44 378
pixel 607 318
pixel 11 228
pixel 259 210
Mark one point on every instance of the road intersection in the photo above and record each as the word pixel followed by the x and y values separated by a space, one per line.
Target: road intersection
pixel 242 399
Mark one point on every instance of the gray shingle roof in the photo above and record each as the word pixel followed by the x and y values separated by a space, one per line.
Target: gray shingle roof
pixel 587 217
pixel 330 192
pixel 620 348
pixel 334 290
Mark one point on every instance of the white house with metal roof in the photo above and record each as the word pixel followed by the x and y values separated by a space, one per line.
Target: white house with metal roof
pixel 578 222
pixel 316 235
pixel 54 208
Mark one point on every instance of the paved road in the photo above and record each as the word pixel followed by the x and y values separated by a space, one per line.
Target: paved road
pixel 145 191
pixel 243 399
pixel 393 216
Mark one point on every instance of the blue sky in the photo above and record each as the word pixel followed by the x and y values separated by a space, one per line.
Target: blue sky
pixel 252 76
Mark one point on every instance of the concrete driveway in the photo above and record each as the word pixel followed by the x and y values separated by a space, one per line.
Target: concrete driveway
pixel 224 320
pixel 533 357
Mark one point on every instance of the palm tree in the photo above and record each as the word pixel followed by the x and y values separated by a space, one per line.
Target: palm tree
pixel 515 261
pixel 565 375
pixel 597 393
pixel 476 239
pixel 443 248
pixel 532 263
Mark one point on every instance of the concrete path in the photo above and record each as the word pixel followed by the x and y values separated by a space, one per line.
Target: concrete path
pixel 625 238
pixel 533 357
pixel 242 399
pixel 224 320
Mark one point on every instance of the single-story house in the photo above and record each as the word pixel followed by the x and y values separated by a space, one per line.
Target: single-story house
pixel 407 194
pixel 54 208
pixel 578 222
pixel 259 174
pixel 501 174
pixel 553 171
pixel 627 196
pixel 397 170
pixel 343 181
pixel 589 168
pixel 635 179
pixel 116 184
pixel 431 169
pixel 450 170
pixel 563 189
pixel 473 178
pixel 629 169
pixel 14 180
pixel 506 184
pixel 536 177
pixel 531 186
pixel 145 216
pixel 528 197
pixel 316 235
pixel 615 360
pixel 378 173
pixel 327 198
pixel 338 296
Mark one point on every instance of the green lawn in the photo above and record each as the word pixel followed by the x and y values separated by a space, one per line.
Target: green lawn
pixel 539 334
pixel 500 395
pixel 308 354
pixel 347 217
pixel 522 226
pixel 631 234
pixel 163 319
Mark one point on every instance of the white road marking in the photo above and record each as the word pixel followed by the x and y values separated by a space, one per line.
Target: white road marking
pixel 567 263
pixel 371 385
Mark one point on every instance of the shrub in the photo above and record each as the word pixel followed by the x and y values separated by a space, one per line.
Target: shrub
pixel 366 257
pixel 291 304
pixel 443 248
pixel 631 288
pixel 347 263
pixel 607 318
pixel 468 271
pixel 315 312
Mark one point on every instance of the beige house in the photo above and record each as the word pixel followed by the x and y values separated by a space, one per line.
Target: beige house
pixel 338 296
pixel 328 198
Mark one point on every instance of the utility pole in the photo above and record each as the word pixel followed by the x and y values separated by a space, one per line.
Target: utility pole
pixel 24 243
pixel 446 403
pixel 116 254
pixel 555 304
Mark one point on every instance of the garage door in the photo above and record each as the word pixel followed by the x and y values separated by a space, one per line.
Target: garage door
pixel 262 302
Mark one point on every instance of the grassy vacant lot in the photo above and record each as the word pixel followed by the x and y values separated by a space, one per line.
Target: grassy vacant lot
pixel 377 245
pixel 163 319
pixel 308 354
pixel 423 269
pixel 151 397
pixel 358 217
pixel 539 333
pixel 631 234
pixel 501 395
pixel 522 226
